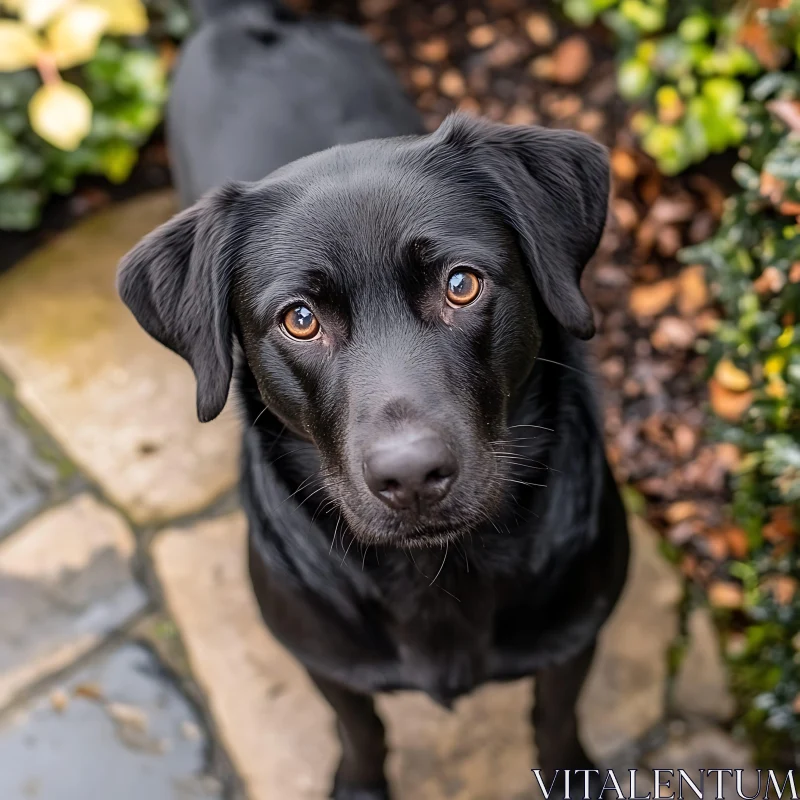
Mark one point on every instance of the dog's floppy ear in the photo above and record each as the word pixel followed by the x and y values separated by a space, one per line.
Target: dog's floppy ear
pixel 176 281
pixel 552 188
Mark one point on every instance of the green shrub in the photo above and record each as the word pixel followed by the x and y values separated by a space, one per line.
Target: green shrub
pixel 691 68
pixel 688 66
pixel 754 261
pixel 80 93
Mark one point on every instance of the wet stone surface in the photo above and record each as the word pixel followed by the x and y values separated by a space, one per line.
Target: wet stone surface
pixel 118 729
pixel 26 479
pixel 121 405
pixel 65 584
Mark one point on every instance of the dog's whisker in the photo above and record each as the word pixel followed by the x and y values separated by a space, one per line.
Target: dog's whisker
pixel 566 366
pixel 446 550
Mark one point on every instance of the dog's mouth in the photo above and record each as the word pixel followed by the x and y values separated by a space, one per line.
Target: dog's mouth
pixel 374 525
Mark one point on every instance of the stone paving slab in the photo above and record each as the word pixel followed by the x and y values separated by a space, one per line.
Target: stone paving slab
pixel 116 730
pixel 120 404
pixel 626 692
pixel 65 583
pixel 279 732
pixel 701 686
pixel 26 479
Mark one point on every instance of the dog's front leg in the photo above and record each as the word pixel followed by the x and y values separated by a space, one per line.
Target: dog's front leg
pixel 360 774
pixel 555 726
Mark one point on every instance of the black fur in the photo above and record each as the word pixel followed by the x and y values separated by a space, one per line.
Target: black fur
pixel 515 570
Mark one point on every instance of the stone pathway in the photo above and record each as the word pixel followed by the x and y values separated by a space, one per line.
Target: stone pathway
pixel 132 660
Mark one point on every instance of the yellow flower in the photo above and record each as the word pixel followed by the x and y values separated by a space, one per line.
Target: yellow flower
pixel 774 365
pixel 785 339
pixel 776 388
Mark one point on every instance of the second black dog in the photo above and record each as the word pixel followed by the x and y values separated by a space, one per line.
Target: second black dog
pixel 423 474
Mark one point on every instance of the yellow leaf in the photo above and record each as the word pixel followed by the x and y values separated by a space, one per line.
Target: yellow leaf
pixel 731 377
pixel 19 46
pixel 125 17
pixel 61 114
pixel 37 13
pixel 74 35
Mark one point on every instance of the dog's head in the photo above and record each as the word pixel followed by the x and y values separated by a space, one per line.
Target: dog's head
pixel 388 297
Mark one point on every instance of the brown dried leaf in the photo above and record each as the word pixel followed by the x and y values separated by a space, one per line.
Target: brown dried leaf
pixel 673 333
pixel 680 511
pixel 540 29
pixel 626 213
pixel 738 542
pixel 433 50
pixel 722 594
pixel 756 37
pixel 482 36
pixel 692 290
pixel 731 406
pixel 572 59
pixel 651 300
pixel 452 83
pixel 623 164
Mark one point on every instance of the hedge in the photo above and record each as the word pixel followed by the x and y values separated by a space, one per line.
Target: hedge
pixel 706 76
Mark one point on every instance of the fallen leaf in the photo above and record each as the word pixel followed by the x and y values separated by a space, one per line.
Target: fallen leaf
pixel 623 164
pixel 723 594
pixel 89 691
pixel 626 213
pixel 59 700
pixel 673 332
pixel 542 67
pixel 692 290
pixel 482 36
pixel 685 440
pixel 794 272
pixel 433 50
pixel 540 29
pixel 680 511
pixel 731 406
pixel 738 541
pixel 572 59
pixel 731 377
pixel 452 83
pixel 650 300
pixel 669 210
pixel 796 704
pixel 521 115
pixel 128 716
pixel 504 54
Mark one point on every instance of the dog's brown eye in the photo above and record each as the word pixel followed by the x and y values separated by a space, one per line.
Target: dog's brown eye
pixel 300 323
pixel 462 288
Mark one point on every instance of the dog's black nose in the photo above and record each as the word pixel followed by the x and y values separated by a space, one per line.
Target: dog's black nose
pixel 411 470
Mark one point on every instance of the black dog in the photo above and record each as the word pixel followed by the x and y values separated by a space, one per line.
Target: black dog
pixel 423 472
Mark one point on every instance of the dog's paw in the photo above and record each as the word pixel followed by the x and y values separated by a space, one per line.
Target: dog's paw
pixel 341 791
